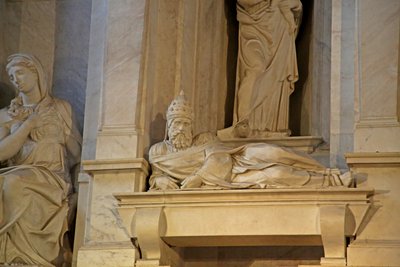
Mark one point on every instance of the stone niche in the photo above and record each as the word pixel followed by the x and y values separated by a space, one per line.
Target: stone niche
pixel 203 64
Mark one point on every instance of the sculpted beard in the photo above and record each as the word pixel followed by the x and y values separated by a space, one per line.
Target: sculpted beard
pixel 180 139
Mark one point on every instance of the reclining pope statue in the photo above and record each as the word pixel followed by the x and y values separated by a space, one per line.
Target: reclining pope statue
pixel 184 161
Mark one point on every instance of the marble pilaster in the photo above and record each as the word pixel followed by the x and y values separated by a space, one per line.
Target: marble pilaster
pixel 342 81
pixel 378 102
pixel 321 69
pixel 113 131
pixel 376 161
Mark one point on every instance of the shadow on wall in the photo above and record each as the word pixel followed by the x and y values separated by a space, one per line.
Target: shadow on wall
pixel 69 83
pixel 252 256
pixel 231 59
pixel 299 113
pixel 157 131
pixel 7 93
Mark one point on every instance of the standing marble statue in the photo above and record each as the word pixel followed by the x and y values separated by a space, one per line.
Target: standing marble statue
pixel 266 67
pixel 40 144
pixel 186 161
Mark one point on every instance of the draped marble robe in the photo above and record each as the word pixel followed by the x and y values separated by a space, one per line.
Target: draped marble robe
pixel 36 185
pixel 267 64
pixel 256 165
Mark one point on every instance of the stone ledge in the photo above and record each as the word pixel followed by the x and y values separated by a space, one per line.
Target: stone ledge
pixel 280 217
pixel 373 159
pixel 249 196
pixel 116 164
pixel 303 143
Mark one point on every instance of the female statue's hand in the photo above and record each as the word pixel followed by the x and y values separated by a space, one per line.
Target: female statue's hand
pixel 33 120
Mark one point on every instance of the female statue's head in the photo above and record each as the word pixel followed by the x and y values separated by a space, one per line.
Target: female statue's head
pixel 26 73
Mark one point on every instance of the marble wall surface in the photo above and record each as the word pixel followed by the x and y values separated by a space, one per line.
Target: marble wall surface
pixel 71 53
pixel 182 53
pixel 376 158
pixel 377 88
pixel 30 27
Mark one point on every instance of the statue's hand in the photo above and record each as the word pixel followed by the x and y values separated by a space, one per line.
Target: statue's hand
pixel 164 183
pixel 192 181
pixel 33 120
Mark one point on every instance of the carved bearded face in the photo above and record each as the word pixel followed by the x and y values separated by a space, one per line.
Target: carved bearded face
pixel 180 133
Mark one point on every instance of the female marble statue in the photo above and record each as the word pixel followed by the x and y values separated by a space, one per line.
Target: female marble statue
pixel 267 66
pixel 40 144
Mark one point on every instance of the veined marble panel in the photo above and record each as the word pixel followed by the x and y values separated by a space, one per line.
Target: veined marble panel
pixel 122 61
pixel 377 102
pixel 104 223
pixel 379 27
pixel 121 254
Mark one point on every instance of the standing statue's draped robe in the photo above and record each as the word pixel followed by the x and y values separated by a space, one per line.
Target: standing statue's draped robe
pixel 267 65
pixel 255 165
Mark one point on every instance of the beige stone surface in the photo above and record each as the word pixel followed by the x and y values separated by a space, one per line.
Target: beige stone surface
pixel 378 241
pixel 113 255
pixel 272 217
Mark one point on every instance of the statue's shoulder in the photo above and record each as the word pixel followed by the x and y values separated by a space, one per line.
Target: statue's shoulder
pixel 204 138
pixel 62 105
pixel 157 149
